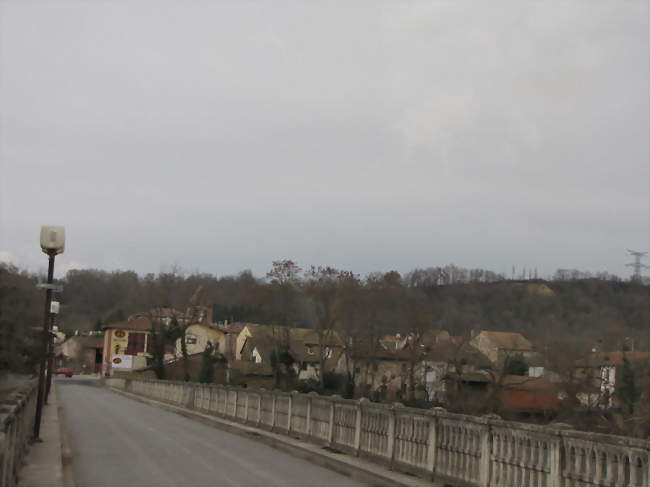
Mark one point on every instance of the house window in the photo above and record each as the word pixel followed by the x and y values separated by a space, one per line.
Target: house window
pixel 136 343
pixel 190 340
pixel 328 352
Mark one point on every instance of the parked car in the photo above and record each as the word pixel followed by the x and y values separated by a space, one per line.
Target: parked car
pixel 63 371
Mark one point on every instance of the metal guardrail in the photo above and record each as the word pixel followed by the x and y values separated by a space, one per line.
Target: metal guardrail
pixel 458 449
pixel 16 424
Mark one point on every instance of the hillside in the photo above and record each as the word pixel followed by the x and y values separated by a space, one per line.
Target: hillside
pixel 585 313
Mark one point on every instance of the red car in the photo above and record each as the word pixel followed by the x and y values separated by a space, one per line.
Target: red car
pixel 64 371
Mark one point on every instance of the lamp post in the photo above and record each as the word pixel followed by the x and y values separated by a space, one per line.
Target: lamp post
pixel 52 243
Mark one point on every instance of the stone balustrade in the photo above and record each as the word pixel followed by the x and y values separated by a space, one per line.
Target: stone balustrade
pixel 16 428
pixel 449 449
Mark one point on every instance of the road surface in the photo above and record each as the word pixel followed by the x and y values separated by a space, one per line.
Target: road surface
pixel 118 442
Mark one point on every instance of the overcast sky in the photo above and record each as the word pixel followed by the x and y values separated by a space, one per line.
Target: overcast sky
pixel 221 135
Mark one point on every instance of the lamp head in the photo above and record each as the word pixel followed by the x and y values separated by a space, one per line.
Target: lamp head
pixel 52 239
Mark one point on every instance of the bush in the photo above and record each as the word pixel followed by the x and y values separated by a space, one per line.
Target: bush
pixel 333 382
pixel 206 375
pixel 308 385
pixel 516 365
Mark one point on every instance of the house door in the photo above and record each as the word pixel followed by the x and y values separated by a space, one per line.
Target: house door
pixel 99 353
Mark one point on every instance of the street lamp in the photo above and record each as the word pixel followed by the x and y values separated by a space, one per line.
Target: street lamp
pixel 52 243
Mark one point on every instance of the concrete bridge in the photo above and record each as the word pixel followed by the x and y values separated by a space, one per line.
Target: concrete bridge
pixel 119 441
pixel 446 448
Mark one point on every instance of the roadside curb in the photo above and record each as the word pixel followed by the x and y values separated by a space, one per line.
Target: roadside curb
pixel 66 452
pixel 356 468
pixel 43 465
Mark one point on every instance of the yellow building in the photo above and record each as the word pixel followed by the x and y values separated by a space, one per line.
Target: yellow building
pixel 126 345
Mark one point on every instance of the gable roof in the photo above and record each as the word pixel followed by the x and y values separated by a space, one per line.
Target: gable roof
pixel 296 340
pixel 508 340
pixel 305 335
pixel 139 323
pixel 264 349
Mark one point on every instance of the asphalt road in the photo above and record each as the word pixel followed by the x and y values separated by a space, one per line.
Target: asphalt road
pixel 119 442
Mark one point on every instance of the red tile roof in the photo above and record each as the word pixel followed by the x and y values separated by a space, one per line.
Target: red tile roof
pixel 140 323
pixel 530 394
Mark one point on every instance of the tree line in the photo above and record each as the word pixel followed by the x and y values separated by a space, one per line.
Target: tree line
pixel 598 311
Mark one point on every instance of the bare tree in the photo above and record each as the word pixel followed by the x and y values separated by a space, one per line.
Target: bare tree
pixel 282 295
pixel 326 286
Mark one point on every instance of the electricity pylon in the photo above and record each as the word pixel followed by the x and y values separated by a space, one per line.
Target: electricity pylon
pixel 637 265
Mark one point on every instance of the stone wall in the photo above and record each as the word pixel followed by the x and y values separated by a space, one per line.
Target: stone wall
pixel 449 448
pixel 16 428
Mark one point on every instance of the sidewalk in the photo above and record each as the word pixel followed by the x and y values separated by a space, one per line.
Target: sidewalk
pixel 43 462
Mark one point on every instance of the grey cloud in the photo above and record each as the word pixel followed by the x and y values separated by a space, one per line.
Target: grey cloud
pixel 375 136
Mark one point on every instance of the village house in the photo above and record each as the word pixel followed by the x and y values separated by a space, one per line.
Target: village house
pixel 82 354
pixel 259 348
pixel 380 374
pixel 385 371
pixel 128 344
pixel 601 373
pixel 440 365
pixel 500 346
pixel 450 362
pixel 305 349
pixel 457 371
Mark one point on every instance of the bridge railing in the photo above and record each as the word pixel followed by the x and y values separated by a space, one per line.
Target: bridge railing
pixel 453 448
pixel 16 426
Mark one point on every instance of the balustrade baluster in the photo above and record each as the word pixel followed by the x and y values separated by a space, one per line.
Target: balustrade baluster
pixel 620 471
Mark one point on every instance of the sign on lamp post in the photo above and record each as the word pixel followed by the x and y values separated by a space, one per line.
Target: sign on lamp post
pixel 54 310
